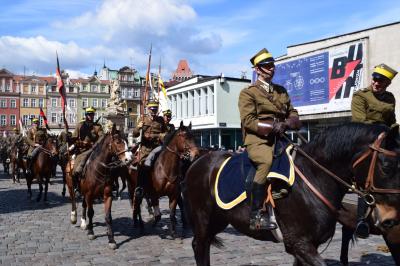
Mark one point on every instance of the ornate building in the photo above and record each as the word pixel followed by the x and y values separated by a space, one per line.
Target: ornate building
pixel 182 72
pixel 9 102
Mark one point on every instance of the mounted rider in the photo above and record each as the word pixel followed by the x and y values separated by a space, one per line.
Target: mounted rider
pixel 167 115
pixel 84 136
pixel 265 113
pixel 153 131
pixel 373 105
pixel 36 138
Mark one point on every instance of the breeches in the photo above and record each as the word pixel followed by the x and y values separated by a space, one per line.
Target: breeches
pixel 152 154
pixel 144 152
pixel 261 154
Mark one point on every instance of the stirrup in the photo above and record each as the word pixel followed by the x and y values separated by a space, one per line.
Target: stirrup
pixel 139 192
pixel 362 229
pixel 261 221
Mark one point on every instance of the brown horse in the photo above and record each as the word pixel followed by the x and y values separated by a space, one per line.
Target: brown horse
pixel 42 167
pixel 18 164
pixel 98 179
pixel 348 218
pixel 305 220
pixel 167 173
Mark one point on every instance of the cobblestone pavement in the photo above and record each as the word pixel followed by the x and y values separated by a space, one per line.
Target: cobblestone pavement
pixel 34 233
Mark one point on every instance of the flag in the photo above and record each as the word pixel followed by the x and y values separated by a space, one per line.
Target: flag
pixel 21 127
pixel 162 95
pixel 60 86
pixel 155 94
pixel 43 116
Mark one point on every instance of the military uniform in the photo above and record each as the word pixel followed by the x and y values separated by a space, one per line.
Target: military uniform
pixel 370 108
pixel 154 131
pixel 259 102
pixel 35 136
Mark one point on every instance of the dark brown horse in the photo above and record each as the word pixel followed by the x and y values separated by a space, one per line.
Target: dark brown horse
pixel 179 148
pixel 348 218
pixel 305 221
pixel 98 179
pixel 42 167
pixel 18 164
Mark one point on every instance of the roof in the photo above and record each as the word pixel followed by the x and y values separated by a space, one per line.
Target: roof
pixel 341 35
pixel 183 70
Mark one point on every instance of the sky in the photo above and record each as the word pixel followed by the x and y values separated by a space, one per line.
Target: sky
pixel 214 36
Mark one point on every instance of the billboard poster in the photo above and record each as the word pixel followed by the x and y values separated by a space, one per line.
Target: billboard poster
pixel 323 81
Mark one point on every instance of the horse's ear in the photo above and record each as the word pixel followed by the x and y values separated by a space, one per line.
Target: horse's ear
pixel 190 125
pixel 181 124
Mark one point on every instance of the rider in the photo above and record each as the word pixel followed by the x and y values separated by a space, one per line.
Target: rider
pixel 35 138
pixel 153 131
pixel 265 113
pixel 84 136
pixel 167 115
pixel 373 105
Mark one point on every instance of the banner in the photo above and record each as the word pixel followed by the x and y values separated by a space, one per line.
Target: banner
pixel 324 81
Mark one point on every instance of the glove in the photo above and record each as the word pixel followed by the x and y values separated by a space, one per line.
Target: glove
pixel 293 122
pixel 279 128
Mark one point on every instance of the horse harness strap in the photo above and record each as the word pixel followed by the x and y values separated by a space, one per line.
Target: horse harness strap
pixel 175 152
pixel 374 149
pixel 315 191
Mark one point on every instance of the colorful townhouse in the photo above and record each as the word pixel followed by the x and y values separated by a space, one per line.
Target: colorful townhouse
pixel 9 102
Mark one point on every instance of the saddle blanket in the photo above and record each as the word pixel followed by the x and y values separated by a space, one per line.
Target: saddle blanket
pixel 230 184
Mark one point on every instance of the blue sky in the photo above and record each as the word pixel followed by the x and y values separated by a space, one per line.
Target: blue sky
pixel 215 36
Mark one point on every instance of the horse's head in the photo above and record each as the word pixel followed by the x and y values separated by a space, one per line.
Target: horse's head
pixel 377 171
pixel 119 146
pixel 185 143
pixel 51 144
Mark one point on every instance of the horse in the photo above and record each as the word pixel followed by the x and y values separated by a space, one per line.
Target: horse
pixel 98 180
pixel 166 175
pixel 305 219
pixel 42 167
pixel 5 157
pixel 18 164
pixel 348 218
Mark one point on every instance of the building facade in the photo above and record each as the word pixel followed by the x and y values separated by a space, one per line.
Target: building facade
pixel 182 72
pixel 211 105
pixel 9 102
pixel 321 76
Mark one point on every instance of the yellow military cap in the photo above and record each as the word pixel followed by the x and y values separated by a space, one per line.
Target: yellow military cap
pixel 152 104
pixel 262 57
pixel 35 120
pixel 384 71
pixel 90 110
pixel 15 129
pixel 167 112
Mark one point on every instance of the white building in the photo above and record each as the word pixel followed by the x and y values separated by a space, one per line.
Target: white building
pixel 210 103
pixel 322 75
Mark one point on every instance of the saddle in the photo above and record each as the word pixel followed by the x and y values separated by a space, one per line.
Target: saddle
pixel 235 177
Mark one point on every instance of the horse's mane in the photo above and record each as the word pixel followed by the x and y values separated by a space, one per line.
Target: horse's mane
pixel 338 141
pixel 169 137
pixel 97 148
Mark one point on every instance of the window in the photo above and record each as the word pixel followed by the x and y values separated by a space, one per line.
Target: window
pixel 3 120
pixel 211 100
pixel 137 93
pixel 84 102
pixel 123 93
pixel 54 118
pixel 94 102
pixel 103 89
pixel 71 89
pixel 94 88
pixel 33 88
pixel 72 103
pixel 13 120
pixel 130 93
pixel 41 102
pixel 13 103
pixel 3 103
pixel 53 102
pixel 7 87
pixel 25 103
pixel 72 118
pixel 25 119
pixel 104 103
pixel 33 102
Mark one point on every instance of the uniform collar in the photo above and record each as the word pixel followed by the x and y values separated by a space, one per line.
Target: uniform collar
pixel 265 85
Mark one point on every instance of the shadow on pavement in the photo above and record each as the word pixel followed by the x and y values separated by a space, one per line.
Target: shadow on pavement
pixel 367 259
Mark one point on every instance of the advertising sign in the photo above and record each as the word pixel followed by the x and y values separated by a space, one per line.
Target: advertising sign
pixel 323 81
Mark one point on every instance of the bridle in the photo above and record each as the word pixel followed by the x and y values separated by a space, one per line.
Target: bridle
pixel 367 193
pixel 185 154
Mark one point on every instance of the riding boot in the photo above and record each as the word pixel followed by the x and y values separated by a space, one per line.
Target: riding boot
pixel 144 171
pixel 259 219
pixel 362 228
pixel 29 164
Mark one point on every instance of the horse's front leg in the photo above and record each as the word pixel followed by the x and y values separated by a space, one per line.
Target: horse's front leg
pixel 29 184
pixel 172 211
pixel 68 181
pixel 182 210
pixel 46 187
pixel 64 181
pixel 305 253
pixel 90 212
pixel 39 196
pixel 108 217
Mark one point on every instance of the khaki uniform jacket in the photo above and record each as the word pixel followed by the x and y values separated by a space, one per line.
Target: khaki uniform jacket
pixel 256 103
pixel 153 131
pixel 370 108
pixel 87 132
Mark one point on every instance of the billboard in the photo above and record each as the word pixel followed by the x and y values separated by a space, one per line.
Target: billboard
pixel 323 81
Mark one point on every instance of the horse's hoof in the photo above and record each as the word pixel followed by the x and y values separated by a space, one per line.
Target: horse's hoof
pixel 119 198
pixel 91 236
pixel 170 237
pixel 112 246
